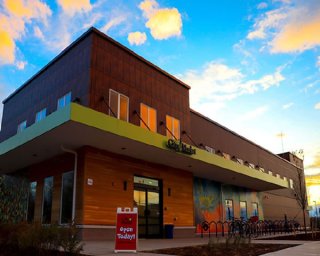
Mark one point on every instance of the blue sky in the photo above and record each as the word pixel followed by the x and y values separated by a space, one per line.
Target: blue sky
pixel 253 66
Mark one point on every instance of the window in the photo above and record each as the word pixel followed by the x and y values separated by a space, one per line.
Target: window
pixel 243 210
pixel 255 209
pixel 67 197
pixel 41 115
pixel 22 126
pixel 47 200
pixel 64 100
pixel 173 125
pixel 209 149
pixel 119 105
pixel 31 201
pixel 291 184
pixel 149 116
pixel 229 209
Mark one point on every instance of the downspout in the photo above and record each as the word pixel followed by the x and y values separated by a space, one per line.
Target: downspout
pixel 74 179
pixel 221 203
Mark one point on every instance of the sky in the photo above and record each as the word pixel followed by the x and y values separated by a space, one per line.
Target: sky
pixel 253 66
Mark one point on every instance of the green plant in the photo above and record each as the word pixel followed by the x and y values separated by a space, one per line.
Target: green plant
pixel 69 239
pixel 37 239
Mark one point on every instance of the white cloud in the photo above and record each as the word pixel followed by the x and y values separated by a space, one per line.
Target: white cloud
pixel 21 64
pixel 38 33
pixel 271 19
pixel 317 106
pixel 216 82
pixel 162 22
pixel 71 7
pixel 285 31
pixel 288 105
pixel 262 5
pixel 13 20
pixel 253 114
pixel 137 38
pixel 310 86
pixel 113 23
pixel 149 7
pixel 267 81
pixel 312 161
pixel 93 19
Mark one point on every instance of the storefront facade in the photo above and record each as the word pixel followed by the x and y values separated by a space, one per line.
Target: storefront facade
pixel 117 131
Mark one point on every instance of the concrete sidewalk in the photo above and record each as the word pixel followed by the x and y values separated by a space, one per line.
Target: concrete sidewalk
pixel 106 248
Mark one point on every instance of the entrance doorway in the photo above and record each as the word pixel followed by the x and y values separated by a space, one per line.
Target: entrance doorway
pixel 147 198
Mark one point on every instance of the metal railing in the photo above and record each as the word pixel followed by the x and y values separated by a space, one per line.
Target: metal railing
pixel 249 228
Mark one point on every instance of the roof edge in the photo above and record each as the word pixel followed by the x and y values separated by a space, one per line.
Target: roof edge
pixel 104 36
pixel 55 59
pixel 77 41
pixel 240 136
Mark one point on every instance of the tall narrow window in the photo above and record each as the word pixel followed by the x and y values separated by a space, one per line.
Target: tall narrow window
pixel 64 100
pixel 22 126
pixel 173 125
pixel 243 210
pixel 229 209
pixel 119 105
pixel 31 201
pixel 47 200
pixel 41 115
pixel 149 116
pixel 255 209
pixel 67 197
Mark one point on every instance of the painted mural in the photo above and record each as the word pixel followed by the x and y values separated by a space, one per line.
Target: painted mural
pixel 13 199
pixel 214 201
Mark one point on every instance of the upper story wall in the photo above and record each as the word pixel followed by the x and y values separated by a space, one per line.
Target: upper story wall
pixel 116 67
pixel 69 71
pixel 210 133
pixel 89 68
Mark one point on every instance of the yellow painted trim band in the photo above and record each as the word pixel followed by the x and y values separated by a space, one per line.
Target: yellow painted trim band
pixel 50 122
pixel 110 124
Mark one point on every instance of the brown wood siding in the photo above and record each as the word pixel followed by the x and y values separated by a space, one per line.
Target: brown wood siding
pixel 54 167
pixel 114 68
pixel 275 207
pixel 219 138
pixel 71 72
pixel 109 171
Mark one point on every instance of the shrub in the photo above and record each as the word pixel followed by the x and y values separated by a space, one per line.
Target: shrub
pixel 37 239
pixel 69 239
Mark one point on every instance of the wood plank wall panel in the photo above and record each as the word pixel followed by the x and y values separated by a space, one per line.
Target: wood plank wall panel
pixel 288 206
pixel 54 167
pixel 109 171
pixel 115 68
pixel 70 72
pixel 220 138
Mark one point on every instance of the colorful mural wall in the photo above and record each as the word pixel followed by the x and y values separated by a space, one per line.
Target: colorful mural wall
pixel 13 199
pixel 214 201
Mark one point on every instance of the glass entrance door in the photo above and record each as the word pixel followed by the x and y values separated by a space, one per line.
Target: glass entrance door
pixel 147 199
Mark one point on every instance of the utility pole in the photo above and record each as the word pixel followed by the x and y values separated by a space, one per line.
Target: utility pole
pixel 281 135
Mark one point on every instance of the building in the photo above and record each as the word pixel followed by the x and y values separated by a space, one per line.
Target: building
pixel 99 127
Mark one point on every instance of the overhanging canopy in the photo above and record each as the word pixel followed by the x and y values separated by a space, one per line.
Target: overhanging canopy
pixel 75 126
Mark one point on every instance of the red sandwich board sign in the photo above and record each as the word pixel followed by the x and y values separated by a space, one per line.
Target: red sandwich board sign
pixel 126 230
